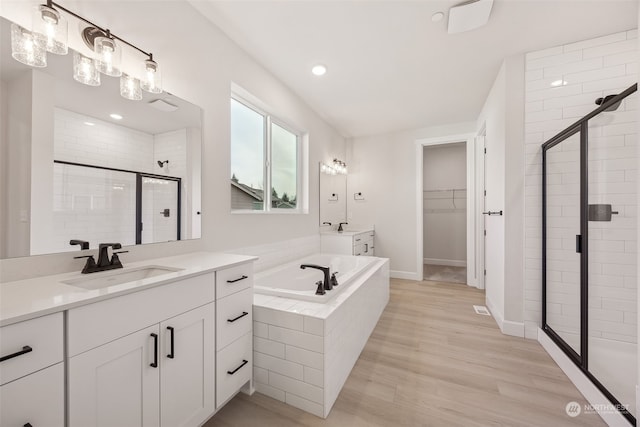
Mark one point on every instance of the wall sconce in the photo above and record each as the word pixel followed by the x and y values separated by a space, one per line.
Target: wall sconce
pixel 50 34
pixel 337 167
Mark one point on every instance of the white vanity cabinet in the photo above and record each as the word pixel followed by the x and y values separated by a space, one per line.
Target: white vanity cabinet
pixel 348 243
pixel 234 321
pixel 144 359
pixel 32 373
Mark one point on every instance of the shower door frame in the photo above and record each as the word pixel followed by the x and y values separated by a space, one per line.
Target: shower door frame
pixel 580 360
pixel 139 176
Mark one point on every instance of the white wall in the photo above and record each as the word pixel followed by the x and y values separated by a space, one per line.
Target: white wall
pixel 444 204
pixel 502 120
pixel 199 64
pixel 592 68
pixel 383 168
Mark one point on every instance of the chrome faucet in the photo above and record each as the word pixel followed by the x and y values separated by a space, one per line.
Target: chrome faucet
pixel 104 263
pixel 325 270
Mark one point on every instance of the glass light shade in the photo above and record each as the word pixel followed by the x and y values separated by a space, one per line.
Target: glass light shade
pixel 25 49
pixel 130 88
pixel 50 29
pixel 152 81
pixel 108 56
pixel 84 70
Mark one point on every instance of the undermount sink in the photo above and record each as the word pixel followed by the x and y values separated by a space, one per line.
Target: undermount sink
pixel 111 278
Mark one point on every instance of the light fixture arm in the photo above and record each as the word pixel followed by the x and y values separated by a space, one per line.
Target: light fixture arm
pixel 109 34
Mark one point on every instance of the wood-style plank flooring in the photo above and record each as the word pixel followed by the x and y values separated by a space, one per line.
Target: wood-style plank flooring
pixel 431 361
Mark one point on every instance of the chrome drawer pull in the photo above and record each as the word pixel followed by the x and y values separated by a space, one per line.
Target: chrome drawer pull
pixel 26 349
pixel 244 362
pixel 244 313
pixel 237 280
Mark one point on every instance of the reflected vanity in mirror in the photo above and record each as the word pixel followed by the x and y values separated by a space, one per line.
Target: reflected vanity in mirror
pixel 333 200
pixel 80 162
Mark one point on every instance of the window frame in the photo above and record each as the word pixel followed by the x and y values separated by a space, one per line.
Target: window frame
pixel 269 120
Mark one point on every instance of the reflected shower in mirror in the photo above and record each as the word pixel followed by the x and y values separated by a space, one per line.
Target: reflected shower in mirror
pixel 333 200
pixel 80 162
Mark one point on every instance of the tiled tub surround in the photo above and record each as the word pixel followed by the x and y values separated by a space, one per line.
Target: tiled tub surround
pixel 304 351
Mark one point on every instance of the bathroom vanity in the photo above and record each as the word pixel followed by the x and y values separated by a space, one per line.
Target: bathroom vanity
pixel 348 242
pixel 165 350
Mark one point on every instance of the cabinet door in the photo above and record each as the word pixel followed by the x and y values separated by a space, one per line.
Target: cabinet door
pixel 187 368
pixel 115 384
pixel 37 399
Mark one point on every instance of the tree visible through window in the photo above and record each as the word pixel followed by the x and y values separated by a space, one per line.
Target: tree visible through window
pixel 264 154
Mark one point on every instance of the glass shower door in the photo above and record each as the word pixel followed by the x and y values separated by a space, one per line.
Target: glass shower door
pixel 562 226
pixel 159 209
pixel 612 251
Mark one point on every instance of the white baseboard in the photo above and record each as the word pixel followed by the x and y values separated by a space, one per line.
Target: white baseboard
pixel 407 275
pixel 449 262
pixel 582 383
pixel 497 316
pixel 515 329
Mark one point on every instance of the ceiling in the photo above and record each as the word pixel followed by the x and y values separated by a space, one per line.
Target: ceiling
pixel 390 67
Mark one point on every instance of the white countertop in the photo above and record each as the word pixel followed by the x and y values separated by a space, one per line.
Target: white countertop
pixel 30 298
pixel 346 232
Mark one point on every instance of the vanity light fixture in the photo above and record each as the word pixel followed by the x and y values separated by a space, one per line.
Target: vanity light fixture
pixel 25 49
pixel 337 167
pixel 50 34
pixel 130 88
pixel 84 70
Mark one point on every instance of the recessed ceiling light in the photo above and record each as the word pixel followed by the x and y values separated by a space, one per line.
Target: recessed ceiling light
pixel 437 16
pixel 115 116
pixel 560 82
pixel 89 124
pixel 319 70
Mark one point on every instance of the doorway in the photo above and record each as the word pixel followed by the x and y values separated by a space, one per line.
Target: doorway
pixel 444 215
pixel 446 188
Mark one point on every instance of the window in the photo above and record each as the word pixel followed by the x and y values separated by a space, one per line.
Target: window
pixel 265 154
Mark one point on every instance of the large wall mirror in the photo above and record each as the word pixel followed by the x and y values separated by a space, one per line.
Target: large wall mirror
pixel 333 200
pixel 81 162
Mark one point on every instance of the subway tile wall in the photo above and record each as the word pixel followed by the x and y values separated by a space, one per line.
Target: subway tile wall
pixel 98 205
pixel 587 70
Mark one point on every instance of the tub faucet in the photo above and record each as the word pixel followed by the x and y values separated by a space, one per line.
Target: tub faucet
pixel 340 230
pixel 327 282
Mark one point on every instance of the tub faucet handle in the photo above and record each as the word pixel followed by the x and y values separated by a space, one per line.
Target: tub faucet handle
pixel 320 290
pixel 334 280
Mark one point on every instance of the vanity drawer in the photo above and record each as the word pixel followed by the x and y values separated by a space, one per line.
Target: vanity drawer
pixel 233 317
pixel 43 335
pixel 234 367
pixel 95 324
pixel 234 279
pixel 36 400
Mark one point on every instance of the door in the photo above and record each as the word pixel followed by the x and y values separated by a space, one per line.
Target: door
pixel 493 226
pixel 159 211
pixel 115 384
pixel 187 361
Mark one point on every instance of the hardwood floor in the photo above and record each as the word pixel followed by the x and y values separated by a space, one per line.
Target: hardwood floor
pixel 431 361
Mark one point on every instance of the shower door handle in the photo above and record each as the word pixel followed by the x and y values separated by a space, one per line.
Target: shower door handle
pixel 578 243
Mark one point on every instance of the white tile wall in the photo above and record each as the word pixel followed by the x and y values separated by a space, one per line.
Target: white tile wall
pixel 592 68
pixel 304 360
pixel 99 206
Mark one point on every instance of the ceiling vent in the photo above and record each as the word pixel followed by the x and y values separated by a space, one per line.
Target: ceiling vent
pixel 469 16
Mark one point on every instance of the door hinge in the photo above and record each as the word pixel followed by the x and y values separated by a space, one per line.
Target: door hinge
pixel 485 192
pixel 485 151
pixel 485 232
pixel 485 272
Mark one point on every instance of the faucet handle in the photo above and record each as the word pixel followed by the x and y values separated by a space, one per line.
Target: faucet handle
pixel 113 245
pixel 320 290
pixel 84 245
pixel 83 256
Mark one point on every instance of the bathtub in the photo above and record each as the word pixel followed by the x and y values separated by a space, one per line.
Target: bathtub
pixel 305 345
pixel 290 281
